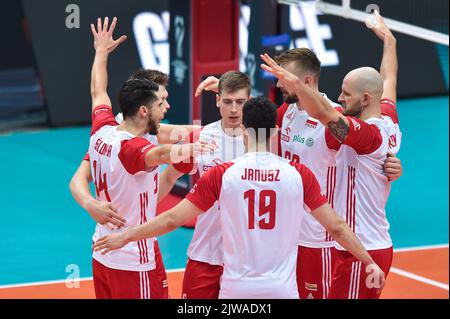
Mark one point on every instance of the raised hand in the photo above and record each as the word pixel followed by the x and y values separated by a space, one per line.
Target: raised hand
pixel 378 26
pixel 211 83
pixel 103 37
pixel 289 80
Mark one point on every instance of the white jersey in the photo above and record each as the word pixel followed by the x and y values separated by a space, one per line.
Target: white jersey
pixel 362 185
pixel 302 139
pixel 206 243
pixel 257 193
pixel 117 160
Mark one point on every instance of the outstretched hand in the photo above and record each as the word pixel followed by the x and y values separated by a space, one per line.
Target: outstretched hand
pixel 103 37
pixel 289 80
pixel 377 25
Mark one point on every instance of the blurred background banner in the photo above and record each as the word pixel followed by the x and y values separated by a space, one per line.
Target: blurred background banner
pixel 45 62
pixel 64 55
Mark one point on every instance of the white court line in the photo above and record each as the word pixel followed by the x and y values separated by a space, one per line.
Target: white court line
pixel 417 248
pixel 395 270
pixel 51 282
pixel 419 278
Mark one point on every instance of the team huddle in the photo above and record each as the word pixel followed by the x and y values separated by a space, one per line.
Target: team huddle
pixel 290 202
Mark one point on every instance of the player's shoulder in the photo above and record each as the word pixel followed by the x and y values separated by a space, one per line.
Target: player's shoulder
pixel 335 105
pixel 129 142
pixel 211 129
pixel 151 138
pixel 106 131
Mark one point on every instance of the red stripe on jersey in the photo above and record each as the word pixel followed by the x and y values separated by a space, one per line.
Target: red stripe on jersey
pixel 329 192
pixel 139 243
pixel 145 220
pixel 142 244
pixel 348 211
pixel 351 198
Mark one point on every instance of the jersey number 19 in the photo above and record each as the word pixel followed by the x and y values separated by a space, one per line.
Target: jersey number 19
pixel 267 205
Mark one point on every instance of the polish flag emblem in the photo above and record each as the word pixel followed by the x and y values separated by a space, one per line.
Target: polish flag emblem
pixel 311 123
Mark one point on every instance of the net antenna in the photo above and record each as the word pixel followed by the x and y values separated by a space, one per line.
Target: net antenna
pixel 345 11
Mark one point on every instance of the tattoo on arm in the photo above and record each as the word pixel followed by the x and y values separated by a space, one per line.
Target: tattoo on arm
pixel 339 129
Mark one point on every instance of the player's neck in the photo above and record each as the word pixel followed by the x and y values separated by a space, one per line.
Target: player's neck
pixel 257 147
pixel 131 127
pixel 373 111
pixel 231 131
pixel 299 103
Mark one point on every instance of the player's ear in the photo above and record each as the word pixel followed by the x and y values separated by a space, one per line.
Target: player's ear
pixel 143 111
pixel 366 99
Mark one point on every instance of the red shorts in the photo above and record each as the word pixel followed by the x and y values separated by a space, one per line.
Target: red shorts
pixel 122 284
pixel 314 272
pixel 201 280
pixel 349 275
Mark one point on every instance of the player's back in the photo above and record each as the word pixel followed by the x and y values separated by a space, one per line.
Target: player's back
pixel 261 205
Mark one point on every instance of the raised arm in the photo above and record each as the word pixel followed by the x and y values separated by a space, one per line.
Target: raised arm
pixel 104 44
pixel 389 62
pixel 171 133
pixel 169 154
pixel 314 103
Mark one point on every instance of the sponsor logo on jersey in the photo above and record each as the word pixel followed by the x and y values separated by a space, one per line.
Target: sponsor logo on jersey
pixel 286 137
pixel 309 142
pixel 101 110
pixel 165 283
pixel 145 148
pixel 312 123
pixel 310 287
pixel 207 167
pixel 290 116
pixel 392 141
pixel 356 125
pixel 298 138
pixel 310 296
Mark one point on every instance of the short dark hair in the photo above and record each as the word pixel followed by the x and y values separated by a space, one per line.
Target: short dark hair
pixel 258 113
pixel 156 76
pixel 305 58
pixel 232 81
pixel 135 93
